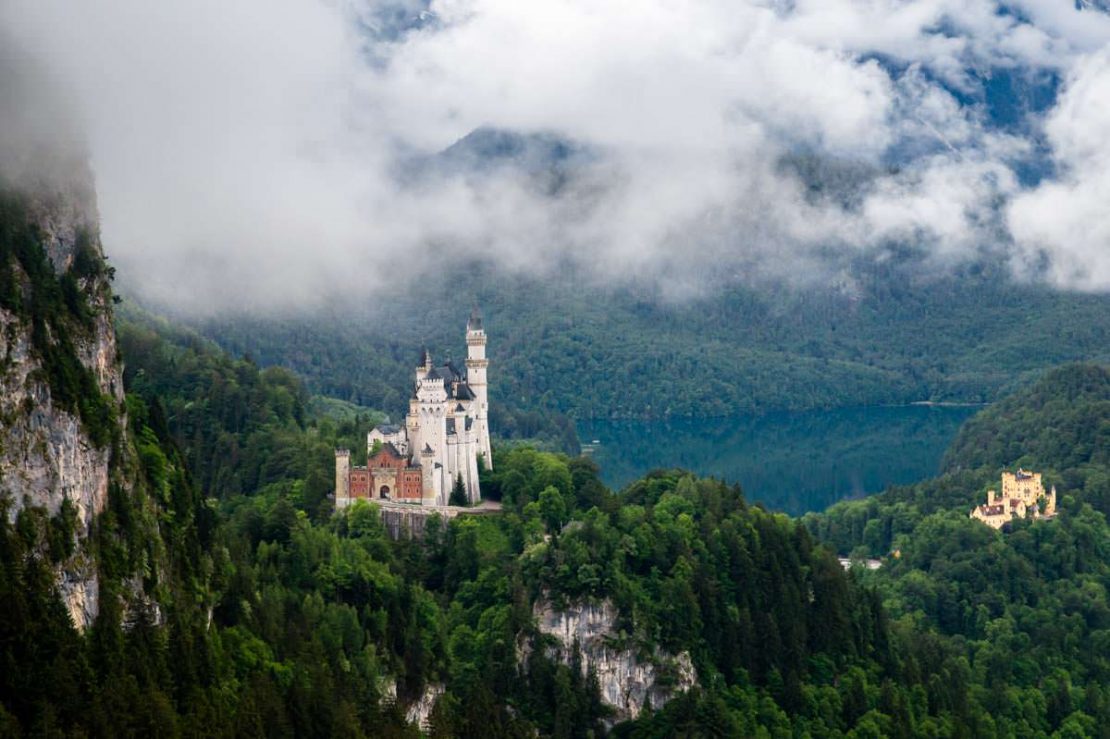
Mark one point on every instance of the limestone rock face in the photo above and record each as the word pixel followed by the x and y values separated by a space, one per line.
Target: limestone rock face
pixel 45 455
pixel 628 683
pixel 420 710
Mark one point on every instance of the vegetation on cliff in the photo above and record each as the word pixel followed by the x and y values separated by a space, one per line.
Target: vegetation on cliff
pixel 59 306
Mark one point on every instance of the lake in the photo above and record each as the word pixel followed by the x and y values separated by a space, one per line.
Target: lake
pixel 792 462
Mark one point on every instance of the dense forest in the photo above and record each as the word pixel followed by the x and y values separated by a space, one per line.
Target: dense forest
pixel 279 619
pixel 1023 614
pixel 879 333
pixel 234 601
pixel 276 618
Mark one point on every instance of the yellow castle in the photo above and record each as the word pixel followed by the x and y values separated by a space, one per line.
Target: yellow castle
pixel 1022 492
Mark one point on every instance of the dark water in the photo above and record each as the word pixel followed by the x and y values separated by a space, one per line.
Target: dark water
pixel 792 462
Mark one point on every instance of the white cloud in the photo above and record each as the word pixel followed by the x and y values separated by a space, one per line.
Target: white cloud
pixel 1062 226
pixel 248 153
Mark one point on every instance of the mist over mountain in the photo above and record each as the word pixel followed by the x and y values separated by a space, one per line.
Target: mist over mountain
pixel 663 209
pixel 274 159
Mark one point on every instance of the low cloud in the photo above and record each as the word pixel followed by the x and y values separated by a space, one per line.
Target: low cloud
pixel 1061 227
pixel 282 155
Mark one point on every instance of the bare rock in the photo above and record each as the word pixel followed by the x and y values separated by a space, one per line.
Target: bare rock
pixel 628 683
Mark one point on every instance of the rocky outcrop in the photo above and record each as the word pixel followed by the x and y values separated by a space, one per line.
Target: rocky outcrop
pixel 45 457
pixel 419 712
pixel 628 680
pixel 46 454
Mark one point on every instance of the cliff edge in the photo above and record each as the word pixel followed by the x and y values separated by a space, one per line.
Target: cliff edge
pixel 62 411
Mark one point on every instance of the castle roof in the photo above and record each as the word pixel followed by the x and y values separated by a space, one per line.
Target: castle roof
pixel 454 381
pixel 475 322
pixel 388 429
pixel 387 447
pixel 446 372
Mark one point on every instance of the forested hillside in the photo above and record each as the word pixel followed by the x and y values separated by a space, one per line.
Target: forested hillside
pixel 234 602
pixel 278 619
pixel 877 334
pixel 102 535
pixel 1022 615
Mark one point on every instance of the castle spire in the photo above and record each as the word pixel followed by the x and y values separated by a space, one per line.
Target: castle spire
pixel 475 322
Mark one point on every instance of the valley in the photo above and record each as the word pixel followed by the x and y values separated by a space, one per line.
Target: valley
pixel 413 369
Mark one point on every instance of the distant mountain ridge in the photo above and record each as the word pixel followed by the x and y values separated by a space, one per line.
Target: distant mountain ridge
pixel 881 334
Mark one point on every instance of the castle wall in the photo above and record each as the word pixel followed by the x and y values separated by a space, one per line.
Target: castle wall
pixel 360 483
pixel 411 485
pixel 1025 486
pixel 473 491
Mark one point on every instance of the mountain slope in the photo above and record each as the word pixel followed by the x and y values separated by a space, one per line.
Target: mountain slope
pixel 1018 618
pixel 1060 422
pixel 888 333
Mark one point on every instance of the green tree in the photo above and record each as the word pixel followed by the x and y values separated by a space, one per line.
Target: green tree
pixel 553 508
pixel 458 492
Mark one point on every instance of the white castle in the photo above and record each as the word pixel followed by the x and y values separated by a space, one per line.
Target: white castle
pixel 446 429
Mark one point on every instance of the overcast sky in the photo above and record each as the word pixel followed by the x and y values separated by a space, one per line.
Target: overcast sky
pixel 260 153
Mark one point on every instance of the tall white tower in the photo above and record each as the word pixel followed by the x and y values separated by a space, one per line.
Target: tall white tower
pixel 342 478
pixel 476 364
pixel 432 408
pixel 413 419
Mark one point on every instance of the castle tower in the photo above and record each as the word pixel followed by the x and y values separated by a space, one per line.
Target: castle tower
pixel 342 478
pixel 476 365
pixel 428 476
pixel 412 427
pixel 425 365
pixel 431 419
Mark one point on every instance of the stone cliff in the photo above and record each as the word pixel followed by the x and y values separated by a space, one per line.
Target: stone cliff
pixel 629 680
pixel 61 387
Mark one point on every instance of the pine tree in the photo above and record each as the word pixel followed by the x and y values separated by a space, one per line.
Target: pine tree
pixel 458 492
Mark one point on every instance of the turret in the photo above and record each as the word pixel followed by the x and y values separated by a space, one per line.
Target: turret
pixel 428 476
pixel 475 336
pixel 424 366
pixel 342 478
pixel 476 365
